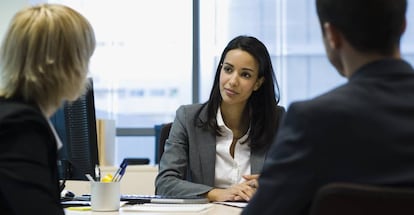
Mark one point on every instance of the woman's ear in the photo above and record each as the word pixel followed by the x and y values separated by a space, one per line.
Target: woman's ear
pixel 258 83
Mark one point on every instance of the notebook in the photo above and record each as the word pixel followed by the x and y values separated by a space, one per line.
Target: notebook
pixel 151 207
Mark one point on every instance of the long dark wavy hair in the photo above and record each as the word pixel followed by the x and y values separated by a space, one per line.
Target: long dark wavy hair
pixel 264 114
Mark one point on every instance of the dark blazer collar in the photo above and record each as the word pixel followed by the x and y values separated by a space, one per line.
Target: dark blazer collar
pixel 383 67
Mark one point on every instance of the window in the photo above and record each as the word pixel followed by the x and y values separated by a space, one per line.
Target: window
pixel 289 29
pixel 142 67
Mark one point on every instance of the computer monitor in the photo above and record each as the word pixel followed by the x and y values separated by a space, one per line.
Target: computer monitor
pixel 75 123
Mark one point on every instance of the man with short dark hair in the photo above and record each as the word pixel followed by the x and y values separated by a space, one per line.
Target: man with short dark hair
pixel 360 132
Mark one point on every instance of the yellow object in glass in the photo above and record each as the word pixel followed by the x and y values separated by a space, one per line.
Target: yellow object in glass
pixel 107 178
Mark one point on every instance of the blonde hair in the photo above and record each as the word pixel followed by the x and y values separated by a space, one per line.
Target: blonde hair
pixel 45 55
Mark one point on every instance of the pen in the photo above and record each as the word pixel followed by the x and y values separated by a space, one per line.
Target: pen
pixel 121 174
pixel 121 168
pixel 97 173
pixel 89 177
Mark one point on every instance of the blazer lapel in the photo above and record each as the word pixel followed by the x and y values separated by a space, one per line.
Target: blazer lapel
pixel 257 157
pixel 207 150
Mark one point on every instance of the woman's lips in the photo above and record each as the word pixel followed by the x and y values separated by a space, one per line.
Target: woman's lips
pixel 230 92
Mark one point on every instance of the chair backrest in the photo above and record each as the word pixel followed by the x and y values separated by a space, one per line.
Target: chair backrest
pixel 161 137
pixel 356 199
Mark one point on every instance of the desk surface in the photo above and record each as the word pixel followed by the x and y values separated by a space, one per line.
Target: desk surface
pixel 216 209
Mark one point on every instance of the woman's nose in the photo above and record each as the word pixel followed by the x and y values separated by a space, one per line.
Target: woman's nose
pixel 233 79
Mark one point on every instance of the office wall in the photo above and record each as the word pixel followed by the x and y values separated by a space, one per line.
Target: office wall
pixel 7 9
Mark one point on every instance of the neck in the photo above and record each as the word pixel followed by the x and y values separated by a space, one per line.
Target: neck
pixel 48 111
pixel 236 118
pixel 353 60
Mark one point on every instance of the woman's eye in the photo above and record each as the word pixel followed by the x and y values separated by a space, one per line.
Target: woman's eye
pixel 246 75
pixel 227 69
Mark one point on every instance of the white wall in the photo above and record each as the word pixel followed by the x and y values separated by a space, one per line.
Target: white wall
pixel 7 9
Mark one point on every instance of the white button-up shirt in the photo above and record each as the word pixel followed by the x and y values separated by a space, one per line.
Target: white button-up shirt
pixel 229 170
pixel 58 141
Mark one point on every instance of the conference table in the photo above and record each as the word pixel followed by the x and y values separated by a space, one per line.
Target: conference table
pixel 146 175
pixel 214 209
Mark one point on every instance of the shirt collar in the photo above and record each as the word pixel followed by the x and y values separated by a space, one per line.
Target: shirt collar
pixel 219 118
pixel 58 140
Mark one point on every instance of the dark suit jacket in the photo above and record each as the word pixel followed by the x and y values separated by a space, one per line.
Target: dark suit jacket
pixel 187 166
pixel 28 161
pixel 360 132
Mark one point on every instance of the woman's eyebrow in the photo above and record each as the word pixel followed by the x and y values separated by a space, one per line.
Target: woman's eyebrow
pixel 229 64
pixel 244 68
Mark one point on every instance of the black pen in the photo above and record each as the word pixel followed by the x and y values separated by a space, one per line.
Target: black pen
pixel 121 168
pixel 121 174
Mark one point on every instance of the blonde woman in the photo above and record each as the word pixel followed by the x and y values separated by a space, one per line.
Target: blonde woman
pixel 43 61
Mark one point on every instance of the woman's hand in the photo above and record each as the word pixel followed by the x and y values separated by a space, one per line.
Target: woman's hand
pixel 251 180
pixel 238 192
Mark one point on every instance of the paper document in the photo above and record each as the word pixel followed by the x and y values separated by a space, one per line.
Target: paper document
pixel 75 203
pixel 234 204
pixel 150 207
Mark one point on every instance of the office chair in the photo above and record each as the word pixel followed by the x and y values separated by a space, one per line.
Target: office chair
pixel 356 199
pixel 162 132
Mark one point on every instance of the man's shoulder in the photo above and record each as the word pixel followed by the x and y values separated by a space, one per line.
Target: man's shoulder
pixel 335 104
pixel 328 99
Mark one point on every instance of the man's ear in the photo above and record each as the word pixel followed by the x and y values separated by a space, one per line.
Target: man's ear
pixel 404 26
pixel 332 35
pixel 258 83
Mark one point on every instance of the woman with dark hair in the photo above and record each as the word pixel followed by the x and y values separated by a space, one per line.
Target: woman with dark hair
pixel 217 149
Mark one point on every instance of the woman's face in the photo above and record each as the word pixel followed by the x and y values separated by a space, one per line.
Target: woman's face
pixel 238 77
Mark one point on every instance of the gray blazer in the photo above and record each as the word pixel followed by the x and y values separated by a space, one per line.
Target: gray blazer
pixel 187 166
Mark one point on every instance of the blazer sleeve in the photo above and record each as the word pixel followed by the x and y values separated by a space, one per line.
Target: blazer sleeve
pixel 174 164
pixel 286 182
pixel 28 183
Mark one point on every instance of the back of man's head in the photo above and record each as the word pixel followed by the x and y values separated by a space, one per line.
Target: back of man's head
pixel 368 25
